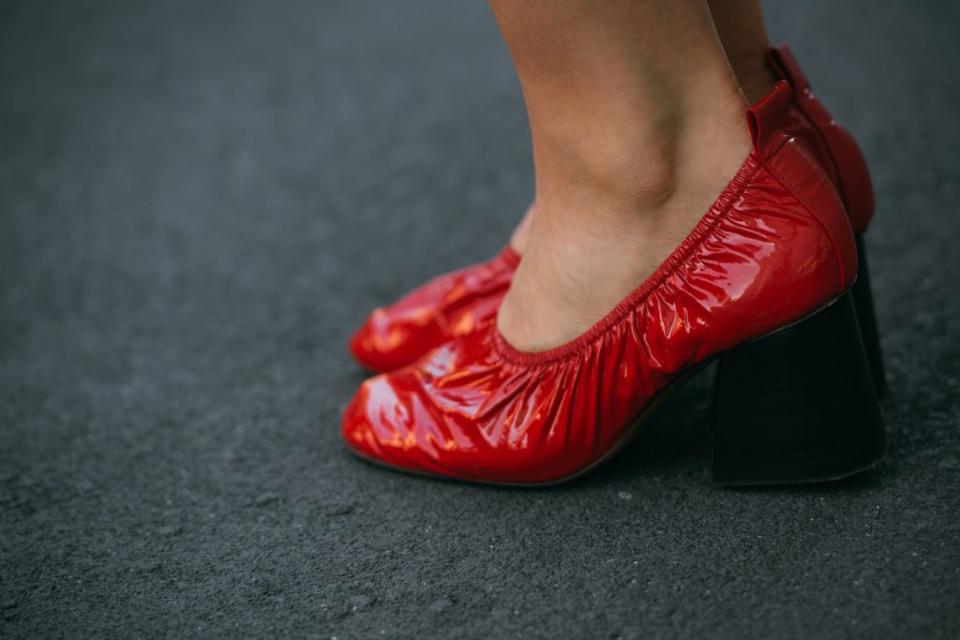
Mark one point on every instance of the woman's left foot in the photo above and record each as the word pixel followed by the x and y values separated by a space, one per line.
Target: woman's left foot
pixel 450 305
pixel 772 251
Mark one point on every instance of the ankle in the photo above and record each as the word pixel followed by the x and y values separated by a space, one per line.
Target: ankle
pixel 754 75
pixel 593 240
pixel 632 172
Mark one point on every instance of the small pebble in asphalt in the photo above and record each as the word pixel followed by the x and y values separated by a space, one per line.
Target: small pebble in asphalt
pixel 439 605
pixel 267 498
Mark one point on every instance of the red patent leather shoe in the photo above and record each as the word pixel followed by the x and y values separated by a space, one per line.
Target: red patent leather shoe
pixel 451 304
pixel 760 283
pixel 448 306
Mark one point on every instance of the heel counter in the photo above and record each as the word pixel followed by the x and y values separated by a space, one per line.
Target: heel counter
pixel 854 174
pixel 800 174
pixel 792 166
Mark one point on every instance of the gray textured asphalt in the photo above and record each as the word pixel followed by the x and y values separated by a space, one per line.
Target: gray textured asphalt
pixel 199 201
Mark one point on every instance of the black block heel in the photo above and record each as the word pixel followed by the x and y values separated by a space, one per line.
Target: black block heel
pixel 798 405
pixel 863 299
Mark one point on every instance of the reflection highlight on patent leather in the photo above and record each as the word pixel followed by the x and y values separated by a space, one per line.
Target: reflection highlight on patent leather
pixel 762 279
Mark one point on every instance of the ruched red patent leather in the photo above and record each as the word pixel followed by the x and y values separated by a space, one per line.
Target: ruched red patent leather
pixel 775 247
pixel 453 303
pixel 448 306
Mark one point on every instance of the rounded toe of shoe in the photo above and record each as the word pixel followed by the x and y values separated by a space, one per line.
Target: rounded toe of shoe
pixel 357 430
pixel 372 351
pixel 362 348
pixel 385 423
pixel 373 424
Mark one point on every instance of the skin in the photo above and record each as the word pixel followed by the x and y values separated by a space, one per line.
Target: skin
pixel 743 35
pixel 637 123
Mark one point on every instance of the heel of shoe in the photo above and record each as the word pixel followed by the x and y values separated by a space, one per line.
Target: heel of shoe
pixel 863 299
pixel 798 405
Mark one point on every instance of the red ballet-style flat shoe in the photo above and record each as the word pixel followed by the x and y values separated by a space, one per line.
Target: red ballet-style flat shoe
pixel 761 283
pixel 454 303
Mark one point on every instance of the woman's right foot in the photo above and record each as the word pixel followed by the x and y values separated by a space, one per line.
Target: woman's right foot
pixel 760 282
pixel 454 303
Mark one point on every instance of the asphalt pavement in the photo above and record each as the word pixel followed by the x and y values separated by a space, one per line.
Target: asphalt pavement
pixel 200 201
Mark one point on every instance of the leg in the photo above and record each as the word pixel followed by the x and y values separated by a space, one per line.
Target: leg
pixel 638 124
pixel 744 36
